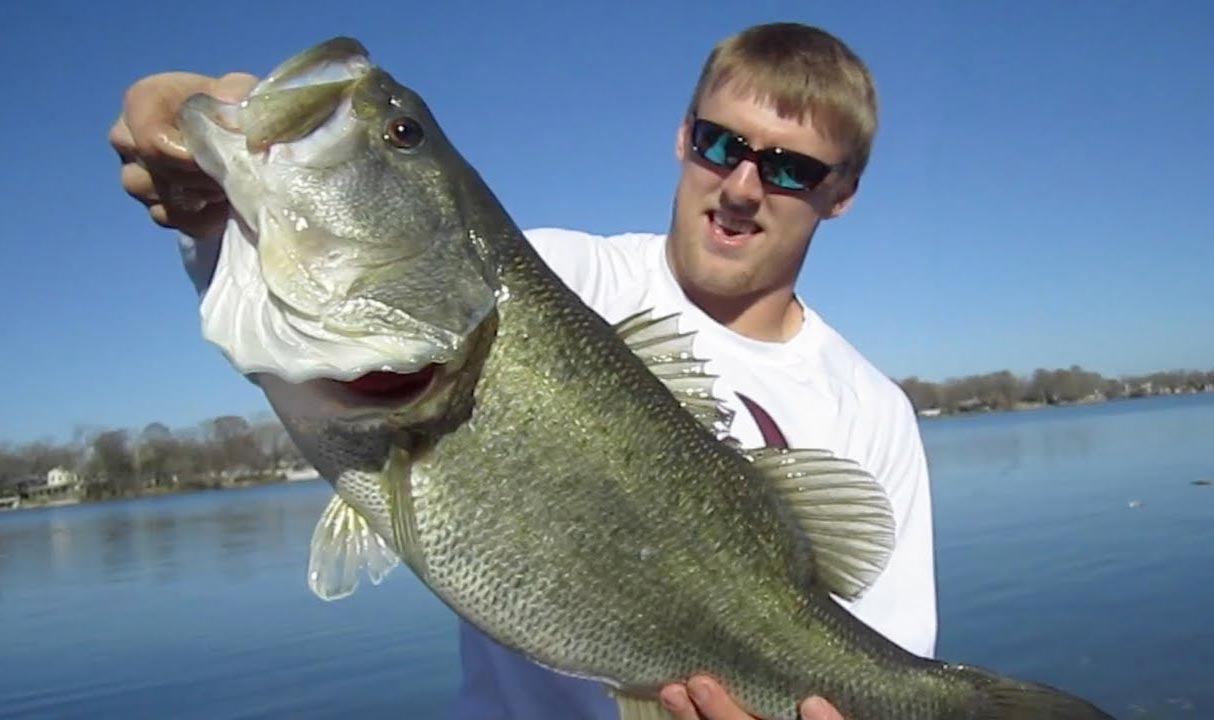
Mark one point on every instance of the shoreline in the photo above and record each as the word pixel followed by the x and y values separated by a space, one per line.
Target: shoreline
pixel 16 502
pixel 936 412
pixel 182 489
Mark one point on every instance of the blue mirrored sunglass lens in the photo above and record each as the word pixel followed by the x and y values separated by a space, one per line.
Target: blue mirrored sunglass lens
pixel 783 176
pixel 715 150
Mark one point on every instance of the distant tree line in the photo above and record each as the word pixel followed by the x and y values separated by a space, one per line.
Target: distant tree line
pixel 122 463
pixel 231 449
pixel 1005 391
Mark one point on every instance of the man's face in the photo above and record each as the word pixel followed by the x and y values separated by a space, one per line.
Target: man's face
pixel 732 236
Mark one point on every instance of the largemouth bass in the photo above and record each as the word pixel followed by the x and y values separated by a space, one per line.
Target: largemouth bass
pixel 556 480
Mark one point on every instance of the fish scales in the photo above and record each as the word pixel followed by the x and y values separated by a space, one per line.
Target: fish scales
pixel 595 506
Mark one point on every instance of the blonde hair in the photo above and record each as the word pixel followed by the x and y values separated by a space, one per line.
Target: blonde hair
pixel 800 70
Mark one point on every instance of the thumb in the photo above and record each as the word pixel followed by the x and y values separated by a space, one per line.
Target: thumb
pixel 816 708
pixel 233 86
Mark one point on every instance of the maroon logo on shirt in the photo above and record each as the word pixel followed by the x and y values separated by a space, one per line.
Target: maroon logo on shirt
pixel 772 437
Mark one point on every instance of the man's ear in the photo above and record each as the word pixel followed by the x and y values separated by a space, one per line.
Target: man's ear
pixel 680 140
pixel 843 198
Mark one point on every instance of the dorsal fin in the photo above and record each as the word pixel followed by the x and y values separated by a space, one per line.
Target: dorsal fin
pixel 667 352
pixel 841 509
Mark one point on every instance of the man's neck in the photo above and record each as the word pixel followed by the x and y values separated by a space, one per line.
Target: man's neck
pixel 774 316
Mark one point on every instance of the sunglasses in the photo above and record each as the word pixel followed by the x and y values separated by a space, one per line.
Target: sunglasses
pixel 784 169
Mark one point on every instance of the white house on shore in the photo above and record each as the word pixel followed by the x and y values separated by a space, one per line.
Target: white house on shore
pixel 60 477
pixel 61 486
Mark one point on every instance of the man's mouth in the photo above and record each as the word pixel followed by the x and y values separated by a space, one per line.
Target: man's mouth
pixel 732 230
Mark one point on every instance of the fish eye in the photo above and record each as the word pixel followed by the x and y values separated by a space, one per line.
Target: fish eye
pixel 404 132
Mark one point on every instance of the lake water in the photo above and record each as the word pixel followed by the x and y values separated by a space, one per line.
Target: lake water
pixel 1072 547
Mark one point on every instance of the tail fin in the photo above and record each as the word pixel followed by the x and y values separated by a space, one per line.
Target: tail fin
pixel 1009 699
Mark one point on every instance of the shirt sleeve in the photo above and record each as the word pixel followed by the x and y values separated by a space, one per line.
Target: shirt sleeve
pixel 572 255
pixel 200 257
pixel 480 696
pixel 607 273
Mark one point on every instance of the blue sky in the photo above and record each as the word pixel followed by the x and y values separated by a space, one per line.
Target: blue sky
pixel 1038 193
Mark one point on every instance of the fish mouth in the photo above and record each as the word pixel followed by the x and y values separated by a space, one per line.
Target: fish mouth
pixel 388 386
pixel 374 396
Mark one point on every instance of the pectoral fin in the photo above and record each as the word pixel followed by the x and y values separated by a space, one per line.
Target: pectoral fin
pixel 841 509
pixel 398 489
pixel 343 544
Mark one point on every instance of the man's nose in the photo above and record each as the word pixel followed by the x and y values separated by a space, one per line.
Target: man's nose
pixel 743 185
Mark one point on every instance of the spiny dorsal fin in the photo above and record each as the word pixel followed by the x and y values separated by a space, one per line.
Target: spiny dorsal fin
pixel 342 545
pixel 667 353
pixel 842 510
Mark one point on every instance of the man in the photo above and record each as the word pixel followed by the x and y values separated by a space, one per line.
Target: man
pixel 775 139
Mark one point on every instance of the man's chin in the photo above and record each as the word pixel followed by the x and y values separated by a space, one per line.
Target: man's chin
pixel 712 275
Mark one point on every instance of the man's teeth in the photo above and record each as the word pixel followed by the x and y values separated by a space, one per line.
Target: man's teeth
pixel 734 226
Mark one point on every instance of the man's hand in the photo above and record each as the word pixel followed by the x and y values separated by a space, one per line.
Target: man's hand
pixel 704 699
pixel 157 169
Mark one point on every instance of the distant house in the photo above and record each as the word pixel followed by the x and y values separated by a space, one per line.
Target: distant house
pixel 301 471
pixel 60 477
pixel 60 485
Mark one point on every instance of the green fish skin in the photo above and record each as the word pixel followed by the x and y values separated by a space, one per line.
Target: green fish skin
pixel 523 457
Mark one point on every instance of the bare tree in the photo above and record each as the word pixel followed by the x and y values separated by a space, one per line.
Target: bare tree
pixel 153 452
pixel 231 444
pixel 273 443
pixel 111 465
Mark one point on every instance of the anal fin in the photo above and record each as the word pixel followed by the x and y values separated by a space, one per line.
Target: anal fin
pixel 635 708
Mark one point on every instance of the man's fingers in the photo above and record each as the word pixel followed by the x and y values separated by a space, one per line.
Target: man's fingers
pixel 816 708
pixel 198 224
pixel 137 182
pixel 148 130
pixel 711 700
pixel 188 190
pixel 121 140
pixel 158 169
pixel 150 113
pixel 704 699
pixel 674 698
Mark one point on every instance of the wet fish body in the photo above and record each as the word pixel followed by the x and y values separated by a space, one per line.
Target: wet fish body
pixel 554 479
